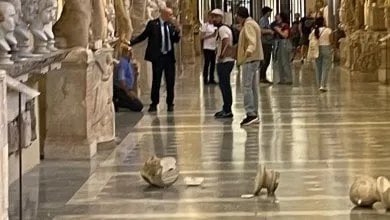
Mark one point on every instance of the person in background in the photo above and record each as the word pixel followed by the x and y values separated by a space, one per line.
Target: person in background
pixel 250 53
pixel 324 61
pixel 162 34
pixel 225 63
pixel 283 52
pixel 305 27
pixel 209 38
pixel 295 33
pixel 267 42
pixel 125 78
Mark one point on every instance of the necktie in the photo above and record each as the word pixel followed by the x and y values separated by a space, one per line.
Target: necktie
pixel 166 36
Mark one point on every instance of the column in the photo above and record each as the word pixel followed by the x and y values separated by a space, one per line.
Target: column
pixel 3 149
pixel 331 15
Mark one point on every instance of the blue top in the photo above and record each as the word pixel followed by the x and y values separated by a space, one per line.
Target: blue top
pixel 264 24
pixel 124 71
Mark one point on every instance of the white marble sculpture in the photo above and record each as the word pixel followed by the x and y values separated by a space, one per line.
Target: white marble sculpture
pixel 21 32
pixel 383 186
pixel 48 28
pixel 366 191
pixel 7 28
pixel 153 9
pixel 266 179
pixel 110 14
pixel 160 172
pixel 41 25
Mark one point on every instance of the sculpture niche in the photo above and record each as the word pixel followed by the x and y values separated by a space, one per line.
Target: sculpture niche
pixel 7 28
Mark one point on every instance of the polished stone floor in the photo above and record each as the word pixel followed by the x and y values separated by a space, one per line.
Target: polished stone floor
pixel 318 141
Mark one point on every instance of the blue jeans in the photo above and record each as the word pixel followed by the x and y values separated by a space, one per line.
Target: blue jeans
pixel 224 70
pixel 282 56
pixel 322 65
pixel 250 78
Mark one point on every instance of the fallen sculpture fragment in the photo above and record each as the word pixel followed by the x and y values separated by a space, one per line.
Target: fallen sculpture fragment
pixel 266 179
pixel 193 181
pixel 160 172
pixel 366 191
pixel 383 185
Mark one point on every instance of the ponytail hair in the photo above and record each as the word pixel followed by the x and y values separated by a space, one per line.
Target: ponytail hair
pixel 320 22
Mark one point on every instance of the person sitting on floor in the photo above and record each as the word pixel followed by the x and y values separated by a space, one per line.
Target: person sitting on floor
pixel 125 77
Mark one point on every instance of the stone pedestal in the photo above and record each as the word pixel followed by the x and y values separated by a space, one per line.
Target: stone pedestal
pixel 79 112
pixel 384 69
pixel 3 150
pixel 360 56
pixel 376 19
pixel 29 134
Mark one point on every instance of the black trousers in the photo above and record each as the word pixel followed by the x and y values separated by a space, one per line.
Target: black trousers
pixel 267 49
pixel 122 100
pixel 209 65
pixel 224 71
pixel 166 65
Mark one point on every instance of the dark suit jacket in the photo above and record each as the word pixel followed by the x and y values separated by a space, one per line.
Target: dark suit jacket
pixel 154 35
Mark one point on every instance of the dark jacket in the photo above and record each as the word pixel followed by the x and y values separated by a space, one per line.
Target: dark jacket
pixel 154 35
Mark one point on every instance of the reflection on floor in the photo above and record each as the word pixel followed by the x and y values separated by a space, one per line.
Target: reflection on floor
pixel 319 143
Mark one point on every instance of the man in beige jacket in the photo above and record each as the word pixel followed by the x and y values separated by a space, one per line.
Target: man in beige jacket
pixel 250 53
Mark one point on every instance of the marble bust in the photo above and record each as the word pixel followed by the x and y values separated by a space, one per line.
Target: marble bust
pixel 7 28
pixel 110 15
pixel 22 33
pixel 41 26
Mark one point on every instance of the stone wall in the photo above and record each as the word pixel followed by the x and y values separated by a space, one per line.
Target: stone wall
pixel 3 150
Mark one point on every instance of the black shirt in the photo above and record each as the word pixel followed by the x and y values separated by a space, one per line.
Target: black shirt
pixel 307 25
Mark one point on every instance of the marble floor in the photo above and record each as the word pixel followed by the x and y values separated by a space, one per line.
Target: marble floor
pixel 318 141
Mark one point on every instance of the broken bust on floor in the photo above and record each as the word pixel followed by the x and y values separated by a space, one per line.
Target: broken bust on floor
pixel 160 172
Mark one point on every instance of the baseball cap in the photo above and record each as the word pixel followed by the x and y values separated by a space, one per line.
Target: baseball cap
pixel 217 11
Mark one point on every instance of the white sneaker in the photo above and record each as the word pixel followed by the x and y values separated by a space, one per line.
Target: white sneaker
pixel 323 89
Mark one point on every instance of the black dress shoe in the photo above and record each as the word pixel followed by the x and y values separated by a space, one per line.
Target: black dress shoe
pixel 212 82
pixel 170 108
pixel 152 108
pixel 265 81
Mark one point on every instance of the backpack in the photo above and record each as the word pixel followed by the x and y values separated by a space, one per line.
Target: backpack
pixel 231 51
pixel 235 33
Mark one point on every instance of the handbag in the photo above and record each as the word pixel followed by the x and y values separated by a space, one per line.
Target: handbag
pixel 313 51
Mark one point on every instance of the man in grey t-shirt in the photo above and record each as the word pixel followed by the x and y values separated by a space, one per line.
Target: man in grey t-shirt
pixel 267 41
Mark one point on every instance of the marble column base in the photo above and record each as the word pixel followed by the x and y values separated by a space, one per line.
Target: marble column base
pixel 356 76
pixel 384 76
pixel 384 70
pixel 4 183
pixel 41 48
pixel 5 59
pixel 69 148
pixel 3 150
pixel 79 107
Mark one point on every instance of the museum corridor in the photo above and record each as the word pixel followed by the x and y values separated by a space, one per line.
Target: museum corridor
pixel 82 136
pixel 319 142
